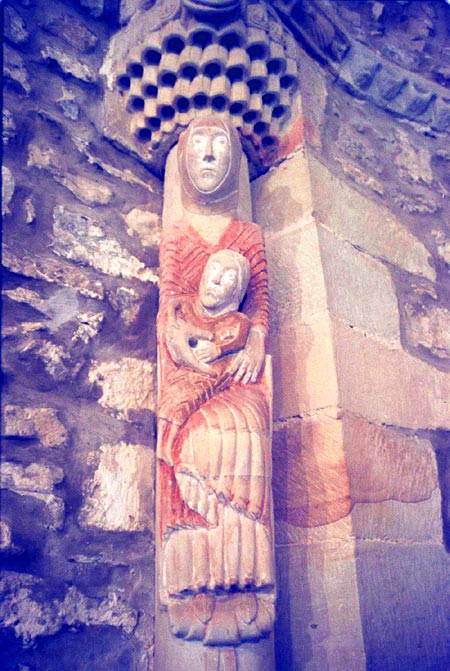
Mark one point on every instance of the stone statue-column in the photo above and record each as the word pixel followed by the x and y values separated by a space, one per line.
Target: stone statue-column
pixel 216 582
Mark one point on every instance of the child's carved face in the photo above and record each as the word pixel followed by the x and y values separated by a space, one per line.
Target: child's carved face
pixel 219 285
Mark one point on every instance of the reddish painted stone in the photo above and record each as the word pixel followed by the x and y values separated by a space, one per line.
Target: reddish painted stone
pixel 310 481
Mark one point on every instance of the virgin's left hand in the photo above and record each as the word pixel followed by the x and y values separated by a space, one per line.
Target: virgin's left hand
pixel 248 362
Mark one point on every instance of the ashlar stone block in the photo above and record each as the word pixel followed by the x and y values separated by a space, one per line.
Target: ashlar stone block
pixel 388 385
pixel 15 70
pixel 298 288
pixel 400 522
pixel 359 288
pixel 306 381
pixel 127 384
pixel 8 188
pixel 282 197
pixel 384 521
pixel 384 463
pixel 37 481
pixel 429 328
pixel 41 423
pixel 324 465
pixel 30 618
pixel 33 478
pixel 53 271
pixel 310 480
pixel 69 64
pixel 145 224
pixel 319 627
pixel 366 223
pixel 81 239
pixel 301 323
pixel 405 586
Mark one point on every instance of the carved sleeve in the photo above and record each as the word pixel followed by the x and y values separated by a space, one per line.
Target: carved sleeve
pixel 169 285
pixel 177 262
pixel 256 305
pixel 231 332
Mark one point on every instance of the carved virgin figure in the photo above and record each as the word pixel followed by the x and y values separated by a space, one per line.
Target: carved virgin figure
pixel 214 426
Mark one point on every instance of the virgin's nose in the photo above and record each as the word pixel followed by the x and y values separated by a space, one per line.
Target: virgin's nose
pixel 209 151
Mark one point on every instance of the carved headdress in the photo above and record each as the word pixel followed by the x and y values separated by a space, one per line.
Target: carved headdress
pixel 224 197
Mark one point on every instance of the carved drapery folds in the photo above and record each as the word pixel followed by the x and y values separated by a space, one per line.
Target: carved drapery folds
pixel 216 586
pixel 230 58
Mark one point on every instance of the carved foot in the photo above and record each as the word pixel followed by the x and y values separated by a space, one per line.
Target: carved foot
pixel 222 620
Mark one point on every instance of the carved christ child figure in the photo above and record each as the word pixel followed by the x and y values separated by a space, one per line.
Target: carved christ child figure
pixel 223 332
pixel 214 456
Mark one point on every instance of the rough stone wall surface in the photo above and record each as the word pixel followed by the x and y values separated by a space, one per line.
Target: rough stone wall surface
pixel 80 256
pixel 357 227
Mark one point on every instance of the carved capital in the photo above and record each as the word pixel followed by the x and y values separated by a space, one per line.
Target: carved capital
pixel 177 61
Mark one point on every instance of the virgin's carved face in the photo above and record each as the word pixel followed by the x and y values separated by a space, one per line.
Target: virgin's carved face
pixel 209 160
pixel 208 157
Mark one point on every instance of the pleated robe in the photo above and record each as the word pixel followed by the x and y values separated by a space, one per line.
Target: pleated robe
pixel 215 502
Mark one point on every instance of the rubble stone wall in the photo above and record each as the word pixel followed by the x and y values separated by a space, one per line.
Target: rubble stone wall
pixel 81 234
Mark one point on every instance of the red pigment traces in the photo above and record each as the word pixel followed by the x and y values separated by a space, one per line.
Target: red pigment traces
pixel 293 139
pixel 174 510
pixel 312 135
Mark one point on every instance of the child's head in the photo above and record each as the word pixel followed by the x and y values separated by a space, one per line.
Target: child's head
pixel 224 282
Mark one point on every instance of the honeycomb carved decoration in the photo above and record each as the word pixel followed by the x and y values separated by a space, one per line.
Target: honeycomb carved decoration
pixel 182 66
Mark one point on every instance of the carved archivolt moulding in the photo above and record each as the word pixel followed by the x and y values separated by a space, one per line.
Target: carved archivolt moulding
pixel 205 57
pixel 362 70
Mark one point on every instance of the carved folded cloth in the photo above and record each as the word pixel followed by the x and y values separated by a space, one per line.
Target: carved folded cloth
pixel 235 554
pixel 223 471
pixel 223 620
pixel 225 447
pixel 186 389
